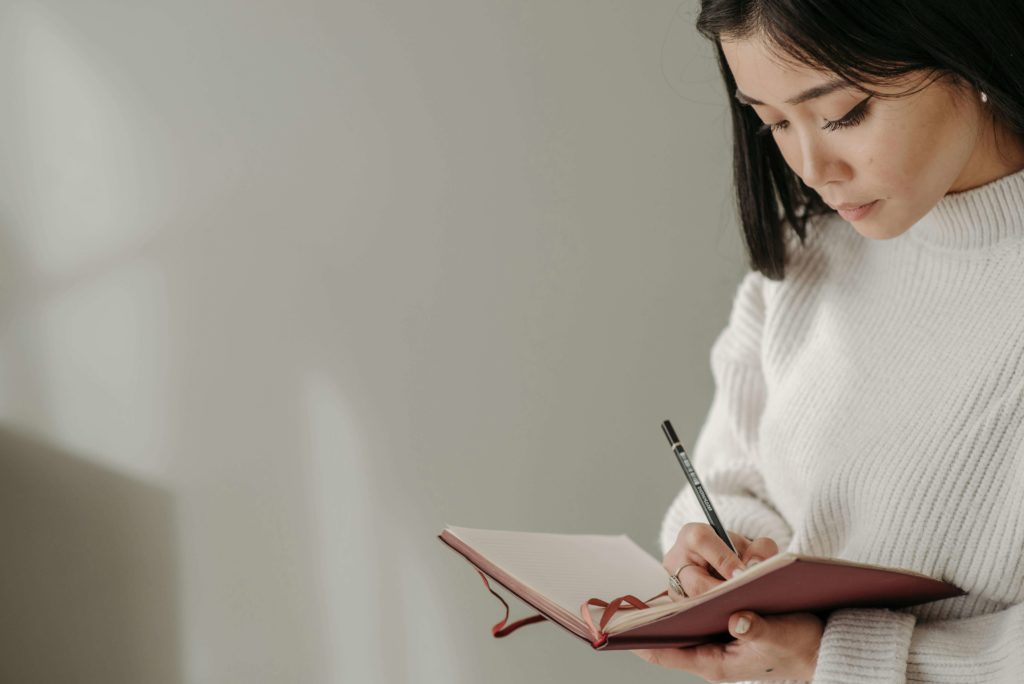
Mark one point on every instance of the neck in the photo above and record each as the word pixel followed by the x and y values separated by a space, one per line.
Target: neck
pixel 999 152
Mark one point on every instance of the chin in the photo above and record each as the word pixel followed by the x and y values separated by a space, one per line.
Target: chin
pixel 883 225
pixel 878 232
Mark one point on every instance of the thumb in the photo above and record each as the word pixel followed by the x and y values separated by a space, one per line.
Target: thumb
pixel 746 626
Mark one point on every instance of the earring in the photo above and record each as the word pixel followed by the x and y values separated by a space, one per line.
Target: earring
pixel 984 97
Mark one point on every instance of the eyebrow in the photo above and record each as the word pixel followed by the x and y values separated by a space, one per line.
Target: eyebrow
pixel 809 94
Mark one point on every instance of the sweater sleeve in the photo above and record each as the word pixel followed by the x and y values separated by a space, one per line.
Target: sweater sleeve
pixel 869 645
pixel 725 450
pixel 875 645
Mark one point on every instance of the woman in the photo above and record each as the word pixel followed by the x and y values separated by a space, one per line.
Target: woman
pixel 869 400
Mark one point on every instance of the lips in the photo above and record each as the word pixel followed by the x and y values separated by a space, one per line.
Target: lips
pixel 846 206
pixel 856 213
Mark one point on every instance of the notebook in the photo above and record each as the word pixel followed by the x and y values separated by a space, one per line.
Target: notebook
pixel 609 592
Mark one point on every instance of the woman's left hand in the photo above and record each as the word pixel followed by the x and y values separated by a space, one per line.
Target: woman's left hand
pixel 773 647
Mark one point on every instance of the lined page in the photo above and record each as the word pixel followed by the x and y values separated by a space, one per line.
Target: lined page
pixel 569 569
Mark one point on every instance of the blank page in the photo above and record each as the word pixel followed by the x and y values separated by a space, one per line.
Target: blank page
pixel 569 569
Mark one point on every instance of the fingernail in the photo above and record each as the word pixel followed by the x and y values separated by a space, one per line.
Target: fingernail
pixel 742 625
pixel 752 562
pixel 737 572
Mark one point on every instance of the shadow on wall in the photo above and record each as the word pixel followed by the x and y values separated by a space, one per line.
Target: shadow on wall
pixel 88 571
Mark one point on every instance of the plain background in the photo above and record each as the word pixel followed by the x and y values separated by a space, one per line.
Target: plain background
pixel 285 287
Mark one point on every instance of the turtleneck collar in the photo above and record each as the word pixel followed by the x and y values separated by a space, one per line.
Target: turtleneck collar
pixel 975 218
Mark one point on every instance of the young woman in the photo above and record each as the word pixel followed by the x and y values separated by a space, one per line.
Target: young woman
pixel 869 400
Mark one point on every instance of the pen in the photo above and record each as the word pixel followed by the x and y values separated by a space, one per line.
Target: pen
pixel 698 488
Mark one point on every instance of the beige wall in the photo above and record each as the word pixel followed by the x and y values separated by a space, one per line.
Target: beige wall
pixel 286 287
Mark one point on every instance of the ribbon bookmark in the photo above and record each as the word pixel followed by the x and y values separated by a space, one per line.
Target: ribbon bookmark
pixel 504 628
pixel 501 629
pixel 610 609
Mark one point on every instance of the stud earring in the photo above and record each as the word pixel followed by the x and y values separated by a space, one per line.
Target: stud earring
pixel 984 97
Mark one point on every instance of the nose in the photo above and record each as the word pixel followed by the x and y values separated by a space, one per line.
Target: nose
pixel 819 165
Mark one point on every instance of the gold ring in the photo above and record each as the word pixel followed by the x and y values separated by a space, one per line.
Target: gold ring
pixel 674 582
pixel 680 569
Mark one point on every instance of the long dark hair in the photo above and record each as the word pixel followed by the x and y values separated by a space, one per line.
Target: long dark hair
pixel 866 43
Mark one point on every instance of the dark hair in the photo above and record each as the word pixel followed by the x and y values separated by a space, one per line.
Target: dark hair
pixel 865 43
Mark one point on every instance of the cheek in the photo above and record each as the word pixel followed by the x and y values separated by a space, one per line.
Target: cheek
pixel 888 161
pixel 908 160
pixel 904 144
pixel 867 159
pixel 790 152
pixel 890 155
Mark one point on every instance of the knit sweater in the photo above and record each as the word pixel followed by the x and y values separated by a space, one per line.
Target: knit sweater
pixel 870 407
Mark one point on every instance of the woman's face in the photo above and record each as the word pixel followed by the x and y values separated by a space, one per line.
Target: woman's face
pixel 902 154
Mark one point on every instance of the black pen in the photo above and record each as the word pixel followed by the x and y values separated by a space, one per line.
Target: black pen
pixel 698 488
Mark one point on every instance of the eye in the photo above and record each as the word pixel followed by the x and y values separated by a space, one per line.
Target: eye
pixel 852 118
pixel 765 129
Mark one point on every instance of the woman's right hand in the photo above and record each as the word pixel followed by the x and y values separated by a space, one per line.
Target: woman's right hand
pixel 708 560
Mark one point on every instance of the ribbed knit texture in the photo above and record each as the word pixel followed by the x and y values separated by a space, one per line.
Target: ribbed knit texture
pixel 871 407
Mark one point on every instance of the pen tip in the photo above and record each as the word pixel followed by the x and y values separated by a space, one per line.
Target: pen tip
pixel 666 426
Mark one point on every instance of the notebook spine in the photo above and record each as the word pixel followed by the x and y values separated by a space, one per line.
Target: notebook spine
pixel 600 637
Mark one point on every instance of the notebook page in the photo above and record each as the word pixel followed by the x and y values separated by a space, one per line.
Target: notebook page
pixel 569 569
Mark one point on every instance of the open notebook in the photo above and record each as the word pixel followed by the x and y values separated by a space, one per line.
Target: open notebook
pixel 572 578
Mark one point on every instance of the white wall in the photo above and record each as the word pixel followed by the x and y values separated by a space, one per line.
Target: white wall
pixel 287 286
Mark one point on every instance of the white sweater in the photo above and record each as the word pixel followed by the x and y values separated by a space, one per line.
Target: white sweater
pixel 871 407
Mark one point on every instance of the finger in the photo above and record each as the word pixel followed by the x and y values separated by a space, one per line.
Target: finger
pixel 702 540
pixel 785 629
pixel 746 626
pixel 676 596
pixel 739 540
pixel 792 633
pixel 675 563
pixel 702 660
pixel 696 580
pixel 680 551
pixel 759 550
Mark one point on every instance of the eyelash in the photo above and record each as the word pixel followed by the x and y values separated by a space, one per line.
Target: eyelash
pixel 855 116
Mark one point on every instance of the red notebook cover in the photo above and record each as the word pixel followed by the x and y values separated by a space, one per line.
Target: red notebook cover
pixel 789 583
